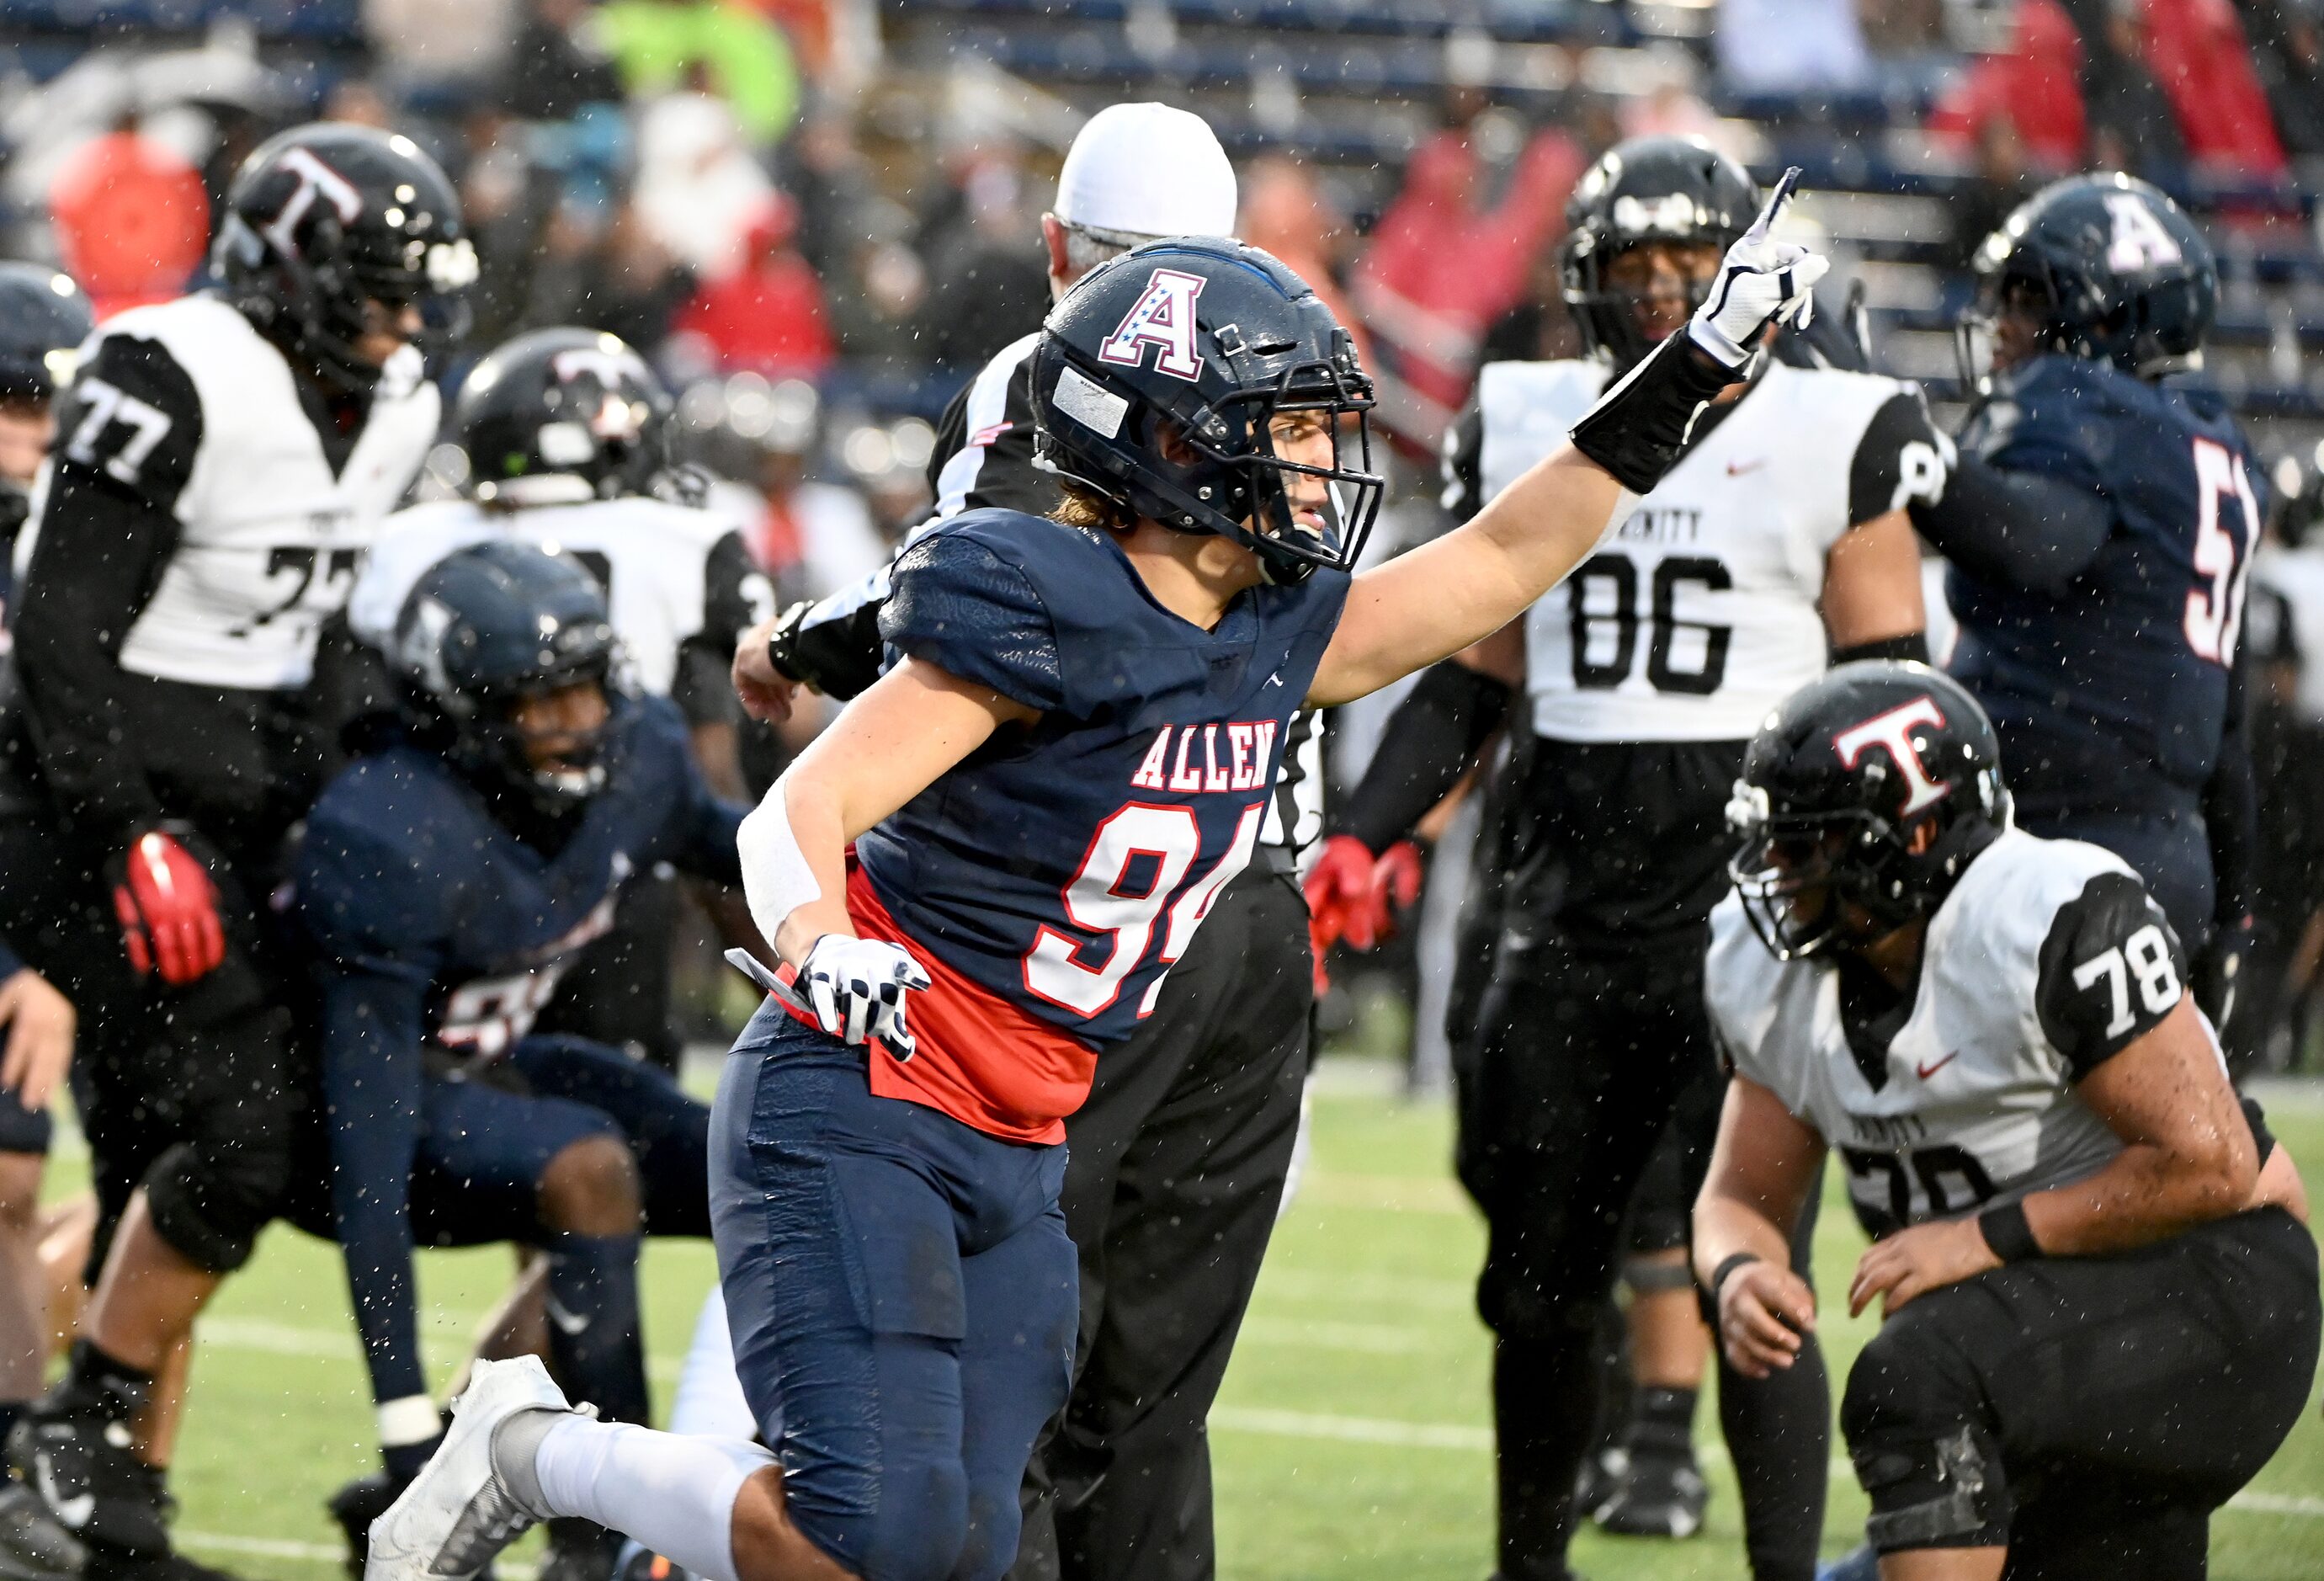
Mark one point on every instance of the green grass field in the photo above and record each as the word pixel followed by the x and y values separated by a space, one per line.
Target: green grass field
pixel 1351 1440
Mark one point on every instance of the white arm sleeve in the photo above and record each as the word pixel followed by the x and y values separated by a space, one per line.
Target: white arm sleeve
pixel 776 878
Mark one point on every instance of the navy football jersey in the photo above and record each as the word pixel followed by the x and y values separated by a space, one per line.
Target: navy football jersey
pixel 1062 868
pixel 2123 676
pixel 405 873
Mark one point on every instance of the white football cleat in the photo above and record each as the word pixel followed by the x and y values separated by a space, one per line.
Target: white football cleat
pixel 459 1511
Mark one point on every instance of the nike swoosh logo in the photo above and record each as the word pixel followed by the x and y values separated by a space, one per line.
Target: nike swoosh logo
pixel 1738 469
pixel 1926 1071
pixel 571 1322
pixel 74 1512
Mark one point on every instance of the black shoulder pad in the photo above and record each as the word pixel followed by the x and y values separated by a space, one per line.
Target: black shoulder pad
pixel 134 417
pixel 2110 970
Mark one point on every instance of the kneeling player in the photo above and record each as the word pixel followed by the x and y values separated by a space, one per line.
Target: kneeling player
pixel 2099 1295
pixel 445 884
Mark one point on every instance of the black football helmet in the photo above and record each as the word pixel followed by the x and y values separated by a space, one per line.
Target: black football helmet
pixel 45 316
pixel 1645 189
pixel 563 414
pixel 325 218
pixel 1193 343
pixel 1837 784
pixel 2113 268
pixel 490 624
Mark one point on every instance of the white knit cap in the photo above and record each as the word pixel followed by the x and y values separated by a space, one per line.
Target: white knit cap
pixel 1148 170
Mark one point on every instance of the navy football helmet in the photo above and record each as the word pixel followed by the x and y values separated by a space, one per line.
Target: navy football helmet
pixel 563 414
pixel 1153 382
pixel 43 318
pixel 1645 190
pixel 324 219
pixel 2109 266
pixel 1835 787
pixel 491 624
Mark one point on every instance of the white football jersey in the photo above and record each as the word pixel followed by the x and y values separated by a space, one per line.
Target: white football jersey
pixel 2047 958
pixel 665 572
pixel 271 534
pixel 1699 612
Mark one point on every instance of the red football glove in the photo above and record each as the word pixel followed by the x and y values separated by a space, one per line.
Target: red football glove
pixel 1396 883
pixel 1338 889
pixel 169 911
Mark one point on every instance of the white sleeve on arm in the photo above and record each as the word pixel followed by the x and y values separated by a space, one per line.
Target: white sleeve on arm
pixel 776 878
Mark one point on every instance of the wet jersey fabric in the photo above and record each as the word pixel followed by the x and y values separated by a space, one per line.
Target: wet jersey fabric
pixel 1698 613
pixel 204 518
pixel 1649 669
pixel 1061 868
pixel 2047 959
pixel 404 873
pixel 679 584
pixel 2117 685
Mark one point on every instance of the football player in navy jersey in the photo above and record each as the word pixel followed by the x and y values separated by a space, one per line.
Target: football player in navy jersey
pixel 43 319
pixel 445 886
pixel 977 879
pixel 2096 1287
pixel 221 461
pixel 2100 522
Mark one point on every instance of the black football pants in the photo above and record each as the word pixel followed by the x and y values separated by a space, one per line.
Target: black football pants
pixel 2124 1398
pixel 1582 1061
pixel 1174 1176
pixel 189 1092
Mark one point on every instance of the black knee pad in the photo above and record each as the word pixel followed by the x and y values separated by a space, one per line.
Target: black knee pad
pixel 1934 1474
pixel 209 1203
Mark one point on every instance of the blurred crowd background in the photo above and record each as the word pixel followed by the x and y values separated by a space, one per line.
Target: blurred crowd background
pixel 817 217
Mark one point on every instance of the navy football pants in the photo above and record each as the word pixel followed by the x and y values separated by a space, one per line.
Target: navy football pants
pixel 902 1297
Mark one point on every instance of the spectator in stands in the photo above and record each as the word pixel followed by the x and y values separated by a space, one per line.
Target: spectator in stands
pixel 1444 264
pixel 2287 40
pixel 700 190
pixel 612 276
pixel 828 175
pixel 985 285
pixel 133 220
pixel 738 53
pixel 1286 211
pixel 2034 83
pixel 2196 49
pixel 559 62
pixel 768 316
pixel 505 197
pixel 2132 125
pixel 1791 46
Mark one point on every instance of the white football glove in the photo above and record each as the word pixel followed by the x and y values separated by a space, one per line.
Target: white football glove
pixel 1759 280
pixel 856 989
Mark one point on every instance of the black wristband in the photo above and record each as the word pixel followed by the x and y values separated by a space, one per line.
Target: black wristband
pixel 1912 646
pixel 1640 428
pixel 2006 1231
pixel 1727 1267
pixel 780 641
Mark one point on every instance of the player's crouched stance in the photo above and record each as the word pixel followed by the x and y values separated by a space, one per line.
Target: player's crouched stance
pixel 1072 756
pixel 2099 1297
